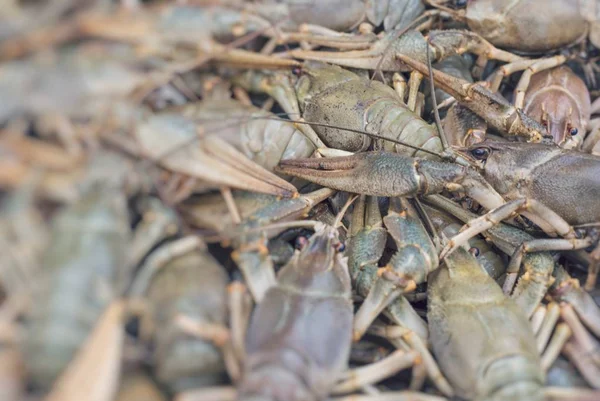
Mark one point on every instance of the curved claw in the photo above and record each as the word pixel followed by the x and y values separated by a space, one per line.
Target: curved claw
pixel 348 173
pixel 375 173
pixel 494 109
pixel 171 142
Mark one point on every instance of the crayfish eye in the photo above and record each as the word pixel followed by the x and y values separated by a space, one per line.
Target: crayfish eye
pixel 301 242
pixel 340 247
pixel 297 71
pixel 573 131
pixel 474 251
pixel 480 153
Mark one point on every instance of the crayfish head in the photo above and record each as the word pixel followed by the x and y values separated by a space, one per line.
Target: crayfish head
pixel 560 101
pixel 322 248
pixel 319 266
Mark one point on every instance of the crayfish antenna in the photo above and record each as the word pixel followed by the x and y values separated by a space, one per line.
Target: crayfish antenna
pixel 438 121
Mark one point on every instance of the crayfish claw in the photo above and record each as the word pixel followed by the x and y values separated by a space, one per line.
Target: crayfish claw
pixel 359 173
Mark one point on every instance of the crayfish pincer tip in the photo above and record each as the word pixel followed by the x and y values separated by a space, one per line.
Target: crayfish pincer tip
pixel 325 163
pixel 311 163
pixel 291 162
pixel 288 194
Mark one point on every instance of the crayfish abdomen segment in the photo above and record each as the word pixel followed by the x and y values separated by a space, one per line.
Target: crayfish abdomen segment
pixel 306 337
pixel 527 26
pixel 483 342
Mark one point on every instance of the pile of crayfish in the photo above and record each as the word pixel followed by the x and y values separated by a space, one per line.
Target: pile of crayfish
pixel 277 200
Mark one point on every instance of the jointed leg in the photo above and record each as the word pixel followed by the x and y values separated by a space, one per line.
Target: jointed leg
pixel 540 65
pixel 583 350
pixel 541 215
pixel 591 143
pixel 356 378
pixel 539 245
pixel 231 206
pixel 531 67
pixel 413 89
pixel 159 258
pixel 420 105
pixel 399 84
pixel 240 307
pixel 580 334
pixel 158 222
pixel 550 320
pixel 579 357
pixel 479 66
pixel 557 343
pixel 592 277
pixel 567 289
pixel 448 42
pixel 215 333
pixel 537 318
pixel 414 259
pixel 367 232
pixel 381 294
pixel 507 69
pixel 256 266
pixel 409 338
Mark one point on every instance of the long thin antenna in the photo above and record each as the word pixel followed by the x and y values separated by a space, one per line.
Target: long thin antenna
pixel 396 141
pixel 234 123
pixel 436 114
pixel 237 122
